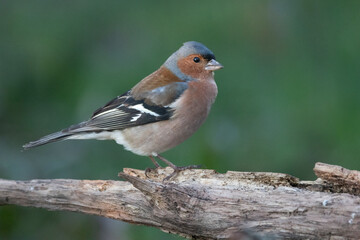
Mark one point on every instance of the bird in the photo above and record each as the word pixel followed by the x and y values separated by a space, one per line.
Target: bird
pixel 158 113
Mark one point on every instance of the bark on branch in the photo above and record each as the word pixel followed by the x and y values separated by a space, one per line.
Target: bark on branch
pixel 203 204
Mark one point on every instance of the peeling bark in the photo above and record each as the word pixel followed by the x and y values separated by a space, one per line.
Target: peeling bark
pixel 203 204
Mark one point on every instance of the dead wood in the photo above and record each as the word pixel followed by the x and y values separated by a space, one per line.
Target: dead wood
pixel 203 204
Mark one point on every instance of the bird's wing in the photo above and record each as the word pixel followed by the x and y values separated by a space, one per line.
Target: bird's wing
pixel 125 111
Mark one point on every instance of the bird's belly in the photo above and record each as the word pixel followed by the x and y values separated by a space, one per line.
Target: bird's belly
pixel 155 138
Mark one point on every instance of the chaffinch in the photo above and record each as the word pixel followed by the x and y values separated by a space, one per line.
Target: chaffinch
pixel 159 112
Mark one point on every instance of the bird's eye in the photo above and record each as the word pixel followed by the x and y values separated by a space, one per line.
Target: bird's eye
pixel 196 59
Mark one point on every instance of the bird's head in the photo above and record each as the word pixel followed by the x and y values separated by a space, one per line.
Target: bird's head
pixel 192 61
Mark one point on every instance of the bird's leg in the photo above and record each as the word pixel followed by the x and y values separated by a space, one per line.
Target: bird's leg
pixel 157 165
pixel 176 168
pixel 154 161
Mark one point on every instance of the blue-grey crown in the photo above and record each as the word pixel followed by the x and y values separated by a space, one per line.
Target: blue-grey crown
pixel 193 47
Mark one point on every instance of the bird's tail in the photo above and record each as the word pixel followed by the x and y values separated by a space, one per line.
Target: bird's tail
pixel 54 137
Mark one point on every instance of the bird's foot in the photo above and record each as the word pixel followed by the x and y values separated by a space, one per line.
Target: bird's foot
pixel 149 170
pixel 157 165
pixel 179 169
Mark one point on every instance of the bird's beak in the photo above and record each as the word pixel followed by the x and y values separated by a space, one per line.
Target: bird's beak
pixel 213 65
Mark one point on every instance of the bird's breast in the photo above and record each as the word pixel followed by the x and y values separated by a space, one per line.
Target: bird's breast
pixel 196 101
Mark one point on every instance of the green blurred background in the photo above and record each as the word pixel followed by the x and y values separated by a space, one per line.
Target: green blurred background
pixel 288 95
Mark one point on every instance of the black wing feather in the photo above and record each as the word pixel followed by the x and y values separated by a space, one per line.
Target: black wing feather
pixel 123 112
pixel 111 104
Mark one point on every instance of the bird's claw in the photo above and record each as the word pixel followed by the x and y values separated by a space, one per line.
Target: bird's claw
pixel 148 170
pixel 179 169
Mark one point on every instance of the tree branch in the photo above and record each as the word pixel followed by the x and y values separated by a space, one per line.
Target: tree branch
pixel 204 204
